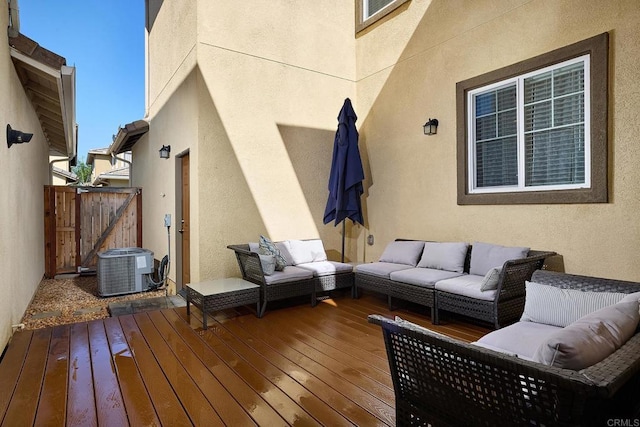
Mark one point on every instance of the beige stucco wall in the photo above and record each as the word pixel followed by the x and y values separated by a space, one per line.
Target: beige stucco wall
pixel 23 172
pixel 253 91
pixel 257 115
pixel 408 67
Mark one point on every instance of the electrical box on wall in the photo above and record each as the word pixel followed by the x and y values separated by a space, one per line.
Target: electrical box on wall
pixel 167 220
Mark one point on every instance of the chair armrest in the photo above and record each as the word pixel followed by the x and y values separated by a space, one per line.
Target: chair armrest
pixel 249 263
pixel 515 272
pixel 435 376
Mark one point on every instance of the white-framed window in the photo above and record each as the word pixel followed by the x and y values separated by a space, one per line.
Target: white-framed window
pixel 370 11
pixel 527 133
pixel 371 7
pixel 536 131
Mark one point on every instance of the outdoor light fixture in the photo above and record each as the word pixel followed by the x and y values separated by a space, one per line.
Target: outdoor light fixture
pixel 164 151
pixel 17 137
pixel 431 127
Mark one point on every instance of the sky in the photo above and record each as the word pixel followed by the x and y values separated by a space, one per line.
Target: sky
pixel 104 40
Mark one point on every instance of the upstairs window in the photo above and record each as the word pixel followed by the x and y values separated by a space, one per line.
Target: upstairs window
pixel 538 135
pixel 369 11
pixel 528 133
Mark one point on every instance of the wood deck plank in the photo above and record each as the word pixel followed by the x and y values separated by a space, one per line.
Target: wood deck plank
pixel 335 399
pixel 11 367
pixel 299 405
pixel 52 405
pixel 331 359
pixel 138 405
pixel 377 407
pixel 249 346
pixel 109 403
pixel 297 365
pixel 22 408
pixel 168 407
pixel 211 374
pixel 191 397
pixel 81 404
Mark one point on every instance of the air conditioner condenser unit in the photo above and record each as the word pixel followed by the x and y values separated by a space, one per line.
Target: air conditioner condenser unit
pixel 124 271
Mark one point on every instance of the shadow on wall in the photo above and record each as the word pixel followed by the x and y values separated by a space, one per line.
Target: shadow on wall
pixel 311 152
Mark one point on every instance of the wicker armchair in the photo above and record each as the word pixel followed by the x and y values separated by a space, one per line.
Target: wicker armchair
pixel 251 269
pixel 441 381
pixel 509 303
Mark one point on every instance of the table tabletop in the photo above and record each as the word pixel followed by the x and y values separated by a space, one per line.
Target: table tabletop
pixel 221 286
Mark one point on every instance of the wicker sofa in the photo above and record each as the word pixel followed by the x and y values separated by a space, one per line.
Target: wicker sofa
pixel 434 376
pixel 447 281
pixel 307 271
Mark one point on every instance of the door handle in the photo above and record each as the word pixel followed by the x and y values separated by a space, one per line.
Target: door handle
pixel 182 226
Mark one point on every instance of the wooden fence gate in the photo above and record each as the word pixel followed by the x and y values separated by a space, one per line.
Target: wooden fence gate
pixel 80 222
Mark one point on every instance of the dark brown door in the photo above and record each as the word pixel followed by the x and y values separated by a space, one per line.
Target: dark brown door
pixel 184 226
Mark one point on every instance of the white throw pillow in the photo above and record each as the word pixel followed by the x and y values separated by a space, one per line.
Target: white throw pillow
pixel 561 307
pixel 306 251
pixel 403 252
pixel 490 281
pixel 449 256
pixel 591 338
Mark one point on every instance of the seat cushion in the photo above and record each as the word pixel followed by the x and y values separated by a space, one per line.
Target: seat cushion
pixel 561 307
pixel 485 256
pixel 381 269
pixel 305 251
pixel 591 338
pixel 326 268
pixel 448 256
pixel 289 274
pixel 521 338
pixel 426 277
pixel 403 252
pixel 467 285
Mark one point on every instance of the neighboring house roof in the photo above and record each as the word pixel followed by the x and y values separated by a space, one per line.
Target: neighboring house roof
pixel 128 135
pixel 64 174
pixel 119 174
pixel 51 86
pixel 95 152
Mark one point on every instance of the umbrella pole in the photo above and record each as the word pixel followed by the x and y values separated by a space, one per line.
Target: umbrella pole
pixel 344 227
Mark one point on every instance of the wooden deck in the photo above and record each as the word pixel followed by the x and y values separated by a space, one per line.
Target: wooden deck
pixel 296 366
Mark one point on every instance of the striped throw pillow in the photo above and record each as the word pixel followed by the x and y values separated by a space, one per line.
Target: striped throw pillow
pixel 561 307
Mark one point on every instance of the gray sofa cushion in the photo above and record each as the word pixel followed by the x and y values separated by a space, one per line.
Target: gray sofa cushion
pixel 467 285
pixel 448 256
pixel 426 277
pixel 561 307
pixel 402 252
pixel 289 274
pixel 381 269
pixel 326 268
pixel 491 279
pixel 485 256
pixel 591 338
pixel 268 264
pixel 521 338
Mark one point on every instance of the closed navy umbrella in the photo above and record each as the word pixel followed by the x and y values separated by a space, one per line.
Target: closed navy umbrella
pixel 347 174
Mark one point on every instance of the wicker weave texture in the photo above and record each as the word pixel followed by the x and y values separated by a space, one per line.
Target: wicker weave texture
pixel 334 281
pixel 440 381
pixel 251 269
pixel 509 304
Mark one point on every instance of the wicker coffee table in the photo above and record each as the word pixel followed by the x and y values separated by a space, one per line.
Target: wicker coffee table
pixel 218 294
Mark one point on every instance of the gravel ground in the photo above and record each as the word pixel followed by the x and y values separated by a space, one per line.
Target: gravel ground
pixel 71 300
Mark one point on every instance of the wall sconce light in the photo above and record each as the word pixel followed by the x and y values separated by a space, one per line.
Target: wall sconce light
pixel 431 127
pixel 17 137
pixel 165 151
